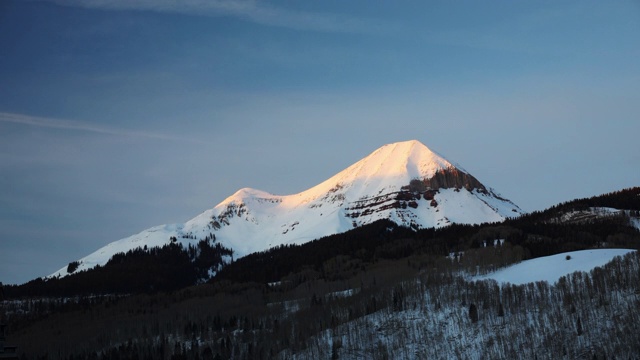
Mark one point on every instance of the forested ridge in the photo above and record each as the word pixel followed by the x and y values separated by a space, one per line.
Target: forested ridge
pixel 378 291
pixel 141 270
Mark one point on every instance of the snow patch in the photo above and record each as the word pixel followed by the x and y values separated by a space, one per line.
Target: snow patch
pixel 551 268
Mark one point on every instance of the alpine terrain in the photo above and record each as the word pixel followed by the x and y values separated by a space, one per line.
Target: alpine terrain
pixel 404 182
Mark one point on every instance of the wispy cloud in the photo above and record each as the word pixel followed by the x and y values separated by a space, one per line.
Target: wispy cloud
pixel 258 12
pixel 72 125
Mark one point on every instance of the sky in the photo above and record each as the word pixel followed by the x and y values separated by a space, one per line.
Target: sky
pixel 119 115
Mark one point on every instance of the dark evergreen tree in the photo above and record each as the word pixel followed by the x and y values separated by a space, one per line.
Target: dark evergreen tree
pixel 473 313
pixel 579 327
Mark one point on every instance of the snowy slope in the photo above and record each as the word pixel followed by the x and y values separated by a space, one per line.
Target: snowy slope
pixel 405 182
pixel 432 321
pixel 551 268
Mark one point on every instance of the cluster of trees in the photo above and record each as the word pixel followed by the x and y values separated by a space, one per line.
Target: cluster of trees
pixel 391 309
pixel 585 315
pixel 271 265
pixel 140 270
pixel 627 199
pixel 73 266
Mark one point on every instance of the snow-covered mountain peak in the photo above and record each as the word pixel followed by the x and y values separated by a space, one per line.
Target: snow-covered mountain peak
pixel 246 195
pixel 404 182
pixel 386 169
pixel 407 158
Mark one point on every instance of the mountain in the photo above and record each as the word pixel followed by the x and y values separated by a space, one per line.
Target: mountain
pixel 404 182
pixel 377 291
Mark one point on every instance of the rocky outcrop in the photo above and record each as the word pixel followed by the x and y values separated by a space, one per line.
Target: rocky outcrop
pixel 450 178
pixel 453 178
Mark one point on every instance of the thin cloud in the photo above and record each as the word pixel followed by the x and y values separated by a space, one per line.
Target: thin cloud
pixel 63 124
pixel 254 11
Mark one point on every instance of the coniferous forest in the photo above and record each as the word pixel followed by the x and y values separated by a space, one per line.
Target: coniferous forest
pixel 376 292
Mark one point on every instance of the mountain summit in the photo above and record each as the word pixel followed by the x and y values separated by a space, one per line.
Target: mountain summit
pixel 404 182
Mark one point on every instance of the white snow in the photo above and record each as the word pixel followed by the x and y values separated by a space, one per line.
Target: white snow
pixel 633 219
pixel 551 268
pixel 342 294
pixel 588 214
pixel 253 220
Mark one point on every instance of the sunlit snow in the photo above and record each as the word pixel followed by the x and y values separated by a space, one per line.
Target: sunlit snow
pixel 253 220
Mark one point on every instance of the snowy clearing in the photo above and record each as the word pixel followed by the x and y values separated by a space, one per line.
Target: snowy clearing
pixel 551 268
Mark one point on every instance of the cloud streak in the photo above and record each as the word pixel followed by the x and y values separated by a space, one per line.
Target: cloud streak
pixel 72 125
pixel 249 10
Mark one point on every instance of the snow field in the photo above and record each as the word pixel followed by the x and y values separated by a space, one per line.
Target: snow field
pixel 551 268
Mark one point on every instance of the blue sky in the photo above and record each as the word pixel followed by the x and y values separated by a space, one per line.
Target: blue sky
pixel 116 116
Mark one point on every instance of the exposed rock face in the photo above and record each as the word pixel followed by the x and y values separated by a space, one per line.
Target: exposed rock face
pixel 450 178
pixel 427 188
pixel 453 178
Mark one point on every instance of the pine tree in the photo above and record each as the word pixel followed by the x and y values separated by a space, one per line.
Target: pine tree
pixel 473 313
pixel 579 327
